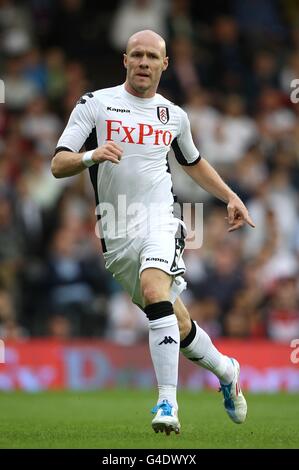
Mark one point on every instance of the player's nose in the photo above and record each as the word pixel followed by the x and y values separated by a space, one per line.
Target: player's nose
pixel 143 61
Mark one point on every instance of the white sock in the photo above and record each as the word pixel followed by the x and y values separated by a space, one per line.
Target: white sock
pixel 164 342
pixel 202 351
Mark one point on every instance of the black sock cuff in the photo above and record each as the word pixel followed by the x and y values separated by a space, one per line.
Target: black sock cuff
pixel 190 336
pixel 158 310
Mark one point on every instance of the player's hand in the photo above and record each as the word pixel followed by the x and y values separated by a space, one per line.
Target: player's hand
pixel 108 152
pixel 237 214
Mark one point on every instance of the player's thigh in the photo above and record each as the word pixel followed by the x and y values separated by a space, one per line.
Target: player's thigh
pixel 163 251
pixel 124 266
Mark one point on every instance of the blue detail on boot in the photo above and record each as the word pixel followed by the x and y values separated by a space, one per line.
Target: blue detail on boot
pixel 165 406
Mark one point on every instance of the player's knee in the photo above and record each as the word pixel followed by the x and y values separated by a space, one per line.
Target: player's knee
pixel 155 286
pixel 153 294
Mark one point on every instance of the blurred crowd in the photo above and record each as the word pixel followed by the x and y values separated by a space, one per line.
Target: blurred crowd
pixel 232 64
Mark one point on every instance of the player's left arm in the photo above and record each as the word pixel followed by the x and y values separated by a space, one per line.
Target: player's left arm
pixel 207 177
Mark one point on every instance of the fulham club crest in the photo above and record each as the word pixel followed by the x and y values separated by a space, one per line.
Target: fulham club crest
pixel 163 114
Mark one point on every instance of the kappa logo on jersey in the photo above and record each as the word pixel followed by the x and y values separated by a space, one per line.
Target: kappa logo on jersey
pixel 118 110
pixel 163 114
pixel 168 340
pixel 139 134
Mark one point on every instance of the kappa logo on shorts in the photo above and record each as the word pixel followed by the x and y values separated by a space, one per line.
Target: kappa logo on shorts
pixel 168 340
pixel 157 259
pixel 163 114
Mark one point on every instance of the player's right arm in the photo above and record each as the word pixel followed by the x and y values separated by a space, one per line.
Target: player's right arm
pixel 68 163
pixel 68 159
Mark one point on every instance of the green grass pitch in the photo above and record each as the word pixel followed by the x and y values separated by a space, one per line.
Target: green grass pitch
pixel 112 419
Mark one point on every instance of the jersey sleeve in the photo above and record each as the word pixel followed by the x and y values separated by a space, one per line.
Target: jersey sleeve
pixel 81 123
pixel 183 146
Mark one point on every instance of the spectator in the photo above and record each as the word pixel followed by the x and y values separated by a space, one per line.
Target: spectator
pixel 135 15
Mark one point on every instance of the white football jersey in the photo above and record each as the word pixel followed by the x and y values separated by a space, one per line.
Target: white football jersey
pixel 146 129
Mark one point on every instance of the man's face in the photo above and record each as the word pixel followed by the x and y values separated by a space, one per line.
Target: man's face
pixel 145 61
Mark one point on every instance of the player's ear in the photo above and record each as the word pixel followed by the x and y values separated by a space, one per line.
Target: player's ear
pixel 165 63
pixel 125 60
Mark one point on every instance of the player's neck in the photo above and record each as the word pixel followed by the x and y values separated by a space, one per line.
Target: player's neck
pixel 146 94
